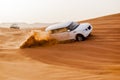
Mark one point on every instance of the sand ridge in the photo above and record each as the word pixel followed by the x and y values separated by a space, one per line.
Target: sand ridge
pixel 96 58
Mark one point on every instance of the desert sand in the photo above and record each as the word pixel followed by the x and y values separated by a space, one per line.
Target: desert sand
pixel 96 58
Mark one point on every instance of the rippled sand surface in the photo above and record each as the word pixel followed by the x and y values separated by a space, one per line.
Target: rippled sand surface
pixel 97 58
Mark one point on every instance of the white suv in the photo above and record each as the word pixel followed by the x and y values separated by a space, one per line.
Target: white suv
pixel 69 30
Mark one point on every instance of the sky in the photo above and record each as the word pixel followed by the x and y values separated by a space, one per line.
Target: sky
pixel 50 11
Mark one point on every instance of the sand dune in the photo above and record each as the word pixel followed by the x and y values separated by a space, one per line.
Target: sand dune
pixel 97 58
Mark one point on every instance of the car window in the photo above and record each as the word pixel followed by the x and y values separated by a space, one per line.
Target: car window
pixel 73 26
pixel 89 27
pixel 60 30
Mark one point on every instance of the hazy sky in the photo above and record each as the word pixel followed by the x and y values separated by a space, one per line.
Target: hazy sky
pixel 55 10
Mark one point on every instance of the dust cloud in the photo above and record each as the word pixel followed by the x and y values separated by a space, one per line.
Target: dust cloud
pixel 38 38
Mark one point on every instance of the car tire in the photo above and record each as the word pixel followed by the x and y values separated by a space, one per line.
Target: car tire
pixel 80 37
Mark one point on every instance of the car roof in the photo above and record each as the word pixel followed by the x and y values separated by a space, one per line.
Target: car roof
pixel 57 26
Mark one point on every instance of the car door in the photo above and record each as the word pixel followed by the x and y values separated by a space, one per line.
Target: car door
pixel 87 30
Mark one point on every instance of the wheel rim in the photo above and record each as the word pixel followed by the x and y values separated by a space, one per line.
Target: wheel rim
pixel 79 38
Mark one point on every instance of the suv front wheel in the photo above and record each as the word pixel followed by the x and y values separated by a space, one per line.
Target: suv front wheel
pixel 80 37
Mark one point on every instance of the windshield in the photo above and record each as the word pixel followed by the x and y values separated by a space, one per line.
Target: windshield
pixel 73 26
